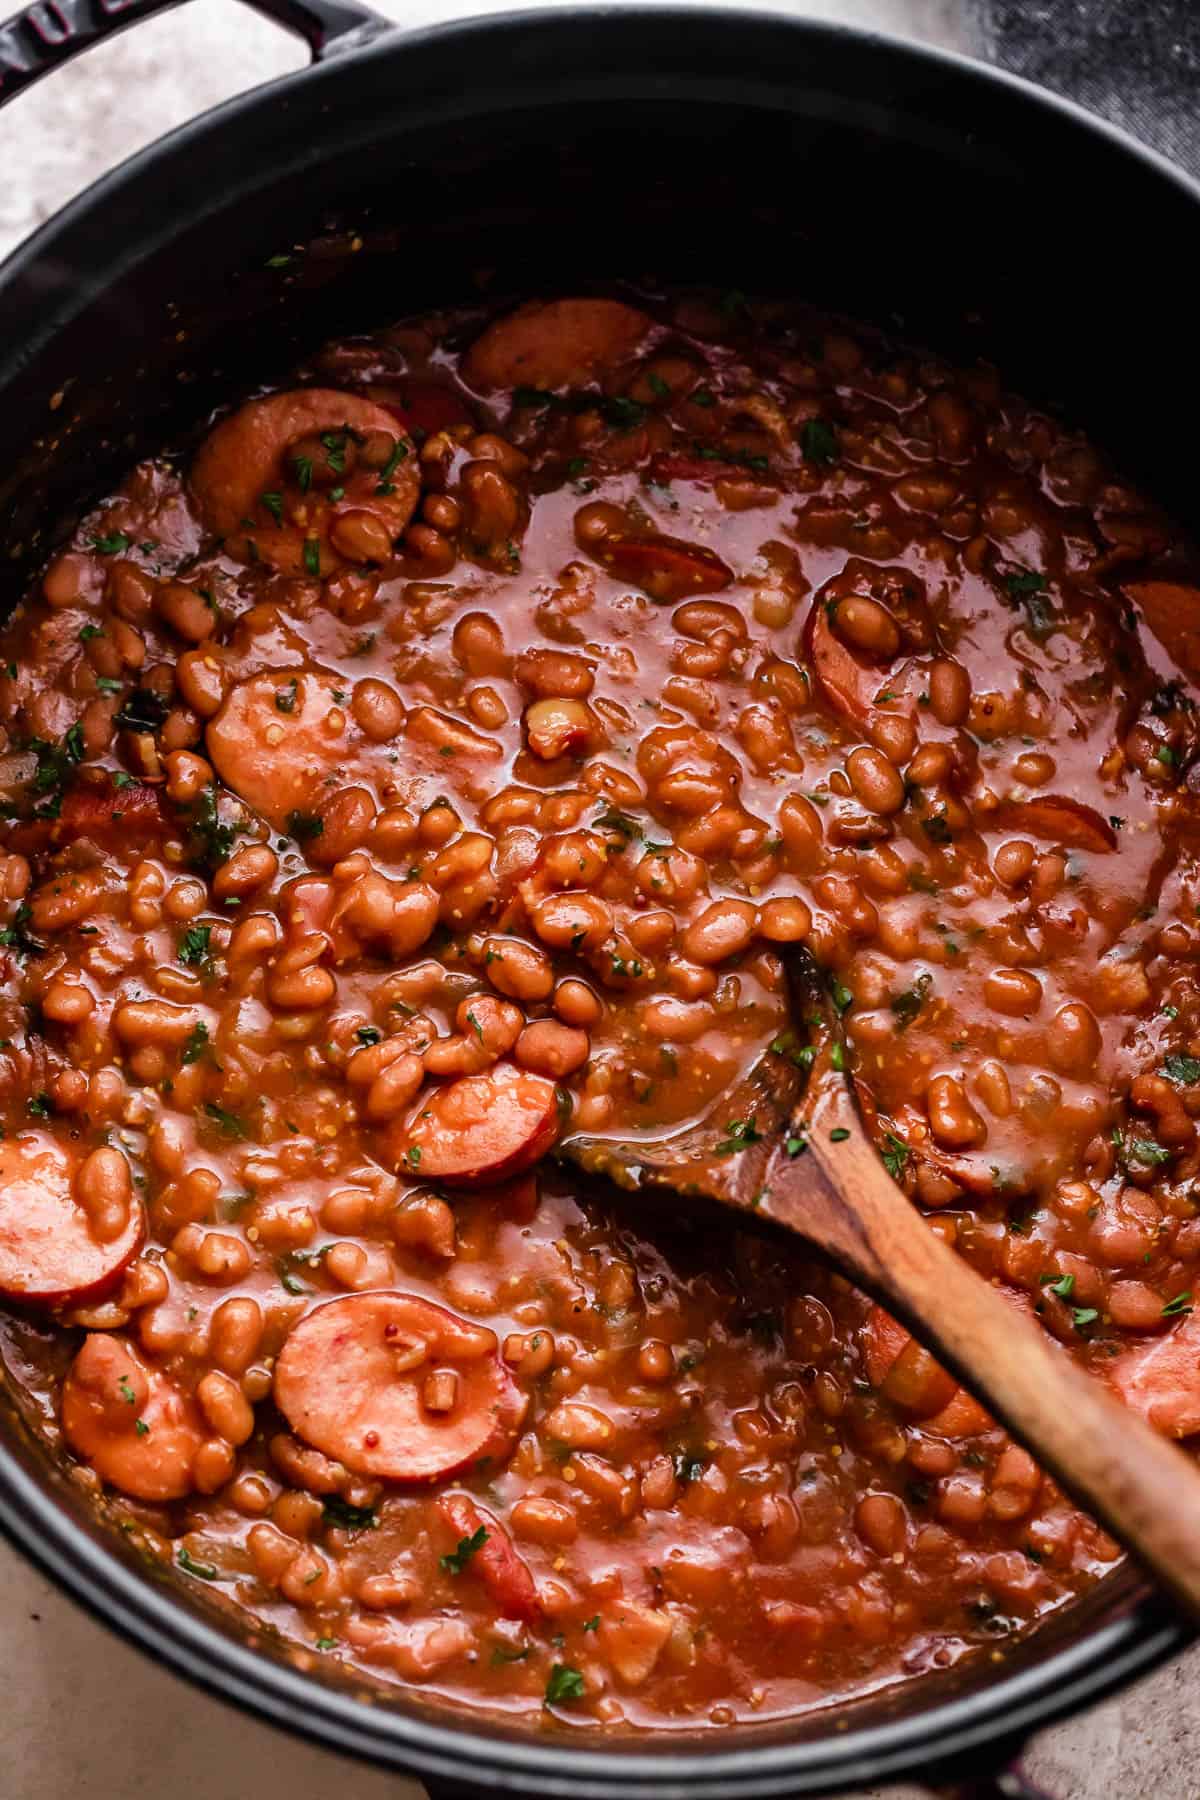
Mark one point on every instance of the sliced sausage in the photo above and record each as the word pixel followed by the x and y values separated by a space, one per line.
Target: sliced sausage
pixel 396 1387
pixel 503 1573
pixel 848 683
pixel 52 1251
pixel 270 507
pixel 666 568
pixel 278 739
pixel 554 344
pixel 107 812
pixel 479 1129
pixel 1060 820
pixel 1161 1379
pixel 130 1421
pixel 1171 610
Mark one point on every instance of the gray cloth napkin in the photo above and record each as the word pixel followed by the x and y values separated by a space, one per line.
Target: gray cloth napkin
pixel 1136 62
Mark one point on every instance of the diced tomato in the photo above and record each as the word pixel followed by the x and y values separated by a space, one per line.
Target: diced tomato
pixel 422 407
pixel 505 1575
pixel 1060 820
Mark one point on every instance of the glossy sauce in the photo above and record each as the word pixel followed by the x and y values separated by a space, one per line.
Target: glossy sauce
pixel 430 766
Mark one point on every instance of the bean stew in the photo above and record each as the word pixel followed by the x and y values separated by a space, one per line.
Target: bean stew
pixel 431 764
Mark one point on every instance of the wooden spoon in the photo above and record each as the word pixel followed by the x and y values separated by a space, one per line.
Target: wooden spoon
pixel 803 1160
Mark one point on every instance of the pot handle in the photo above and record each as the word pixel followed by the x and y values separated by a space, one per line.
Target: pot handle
pixel 48 32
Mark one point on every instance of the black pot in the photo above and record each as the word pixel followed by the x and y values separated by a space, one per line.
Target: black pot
pixel 947 200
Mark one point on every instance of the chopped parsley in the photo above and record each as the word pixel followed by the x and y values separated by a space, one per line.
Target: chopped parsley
pixel 1176 1308
pixel 274 505
pixel 564 1684
pixel 143 711
pixel 907 1005
pixel 211 840
pixel 622 412
pixel 456 1560
pixel 398 453
pixel 339 1512
pixel 742 1133
pixel 1184 1071
pixel 195 1044
pixel 195 950
pixel 227 1123
pixel 206 1571
pixel 312 556
pixel 114 544
pixel 369 1034
pixel 285 697
pixel 304 825
pixel 895 1155
pixel 818 442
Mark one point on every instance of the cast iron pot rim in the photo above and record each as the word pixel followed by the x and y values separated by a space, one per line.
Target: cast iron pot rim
pixel 456 1748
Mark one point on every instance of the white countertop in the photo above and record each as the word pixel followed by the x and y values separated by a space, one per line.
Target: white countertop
pixel 84 1716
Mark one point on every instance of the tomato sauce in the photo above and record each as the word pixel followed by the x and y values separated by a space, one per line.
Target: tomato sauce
pixel 430 767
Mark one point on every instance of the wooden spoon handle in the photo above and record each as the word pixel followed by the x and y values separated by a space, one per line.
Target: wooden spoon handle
pixel 1143 1489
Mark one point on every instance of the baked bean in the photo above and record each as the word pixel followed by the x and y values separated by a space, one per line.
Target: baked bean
pixel 865 625
pixel 1014 992
pixel 1013 862
pixel 67 1002
pixel 202 682
pixel 784 921
pixel 875 780
pixel 554 674
pixel 952 1119
pixel 576 1004
pixel 895 735
pixel 423 1222
pixel 724 929
pixel 517 969
pixel 104 1189
pixel 575 921
pixel 140 1022
pixel 1073 1039
pixel 544 1521
pixel 236 1334
pixel 361 537
pixel 215 1255
pixel 248 869
pixel 479 645
pixel 552 1049
pixel 378 710
pixel 225 1407
pixel 186 610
